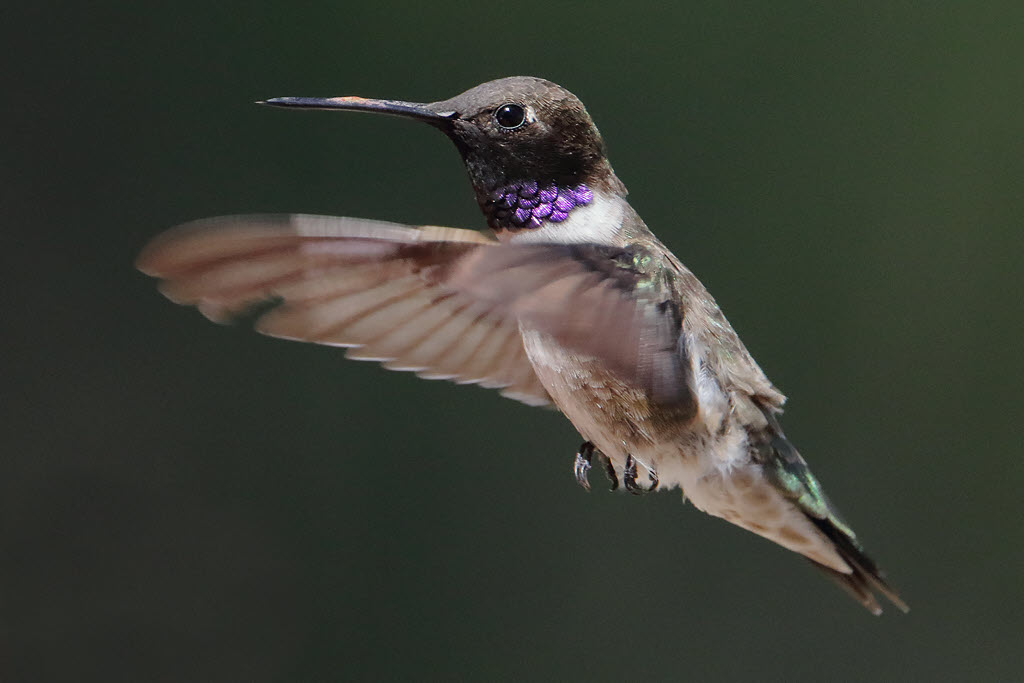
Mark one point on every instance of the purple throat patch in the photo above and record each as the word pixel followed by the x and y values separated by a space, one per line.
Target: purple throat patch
pixel 527 204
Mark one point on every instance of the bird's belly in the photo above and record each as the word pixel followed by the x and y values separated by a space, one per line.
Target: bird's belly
pixel 710 464
pixel 616 417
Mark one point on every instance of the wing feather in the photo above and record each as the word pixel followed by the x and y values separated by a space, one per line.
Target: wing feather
pixel 441 302
pixel 369 285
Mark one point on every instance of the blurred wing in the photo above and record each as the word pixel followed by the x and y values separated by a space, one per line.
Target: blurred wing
pixel 442 302
pixel 374 286
pixel 617 304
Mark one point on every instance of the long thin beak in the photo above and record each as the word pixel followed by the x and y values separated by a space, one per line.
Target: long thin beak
pixel 409 110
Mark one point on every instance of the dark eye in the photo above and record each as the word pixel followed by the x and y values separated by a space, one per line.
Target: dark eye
pixel 510 116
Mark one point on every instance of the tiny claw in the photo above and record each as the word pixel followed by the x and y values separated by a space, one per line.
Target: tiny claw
pixel 609 470
pixel 653 476
pixel 584 461
pixel 581 468
pixel 629 477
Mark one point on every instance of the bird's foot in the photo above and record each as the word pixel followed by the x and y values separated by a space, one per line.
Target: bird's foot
pixel 629 477
pixel 584 461
pixel 609 470
pixel 581 468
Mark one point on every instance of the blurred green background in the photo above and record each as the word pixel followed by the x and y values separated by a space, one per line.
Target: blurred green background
pixel 186 502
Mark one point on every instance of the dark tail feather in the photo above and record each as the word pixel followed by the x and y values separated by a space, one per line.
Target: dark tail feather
pixel 866 578
pixel 791 476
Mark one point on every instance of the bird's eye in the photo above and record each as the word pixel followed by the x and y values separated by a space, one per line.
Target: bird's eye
pixel 510 116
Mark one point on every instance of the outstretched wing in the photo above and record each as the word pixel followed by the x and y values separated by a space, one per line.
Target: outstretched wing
pixel 442 302
pixel 347 282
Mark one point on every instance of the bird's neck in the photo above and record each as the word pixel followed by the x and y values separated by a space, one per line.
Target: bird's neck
pixel 600 221
pixel 551 211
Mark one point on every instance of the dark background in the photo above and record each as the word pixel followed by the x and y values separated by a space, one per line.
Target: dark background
pixel 186 502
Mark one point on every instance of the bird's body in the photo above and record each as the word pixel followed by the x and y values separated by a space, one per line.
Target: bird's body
pixel 708 454
pixel 575 304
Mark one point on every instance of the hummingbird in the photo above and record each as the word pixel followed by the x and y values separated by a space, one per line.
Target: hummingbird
pixel 569 301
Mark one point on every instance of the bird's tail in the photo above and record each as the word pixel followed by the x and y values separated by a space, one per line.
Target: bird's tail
pixel 792 477
pixel 866 579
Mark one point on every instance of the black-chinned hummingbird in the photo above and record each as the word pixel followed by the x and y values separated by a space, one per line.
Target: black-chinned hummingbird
pixel 572 302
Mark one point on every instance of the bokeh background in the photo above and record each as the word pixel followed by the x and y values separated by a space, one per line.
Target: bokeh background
pixel 186 502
